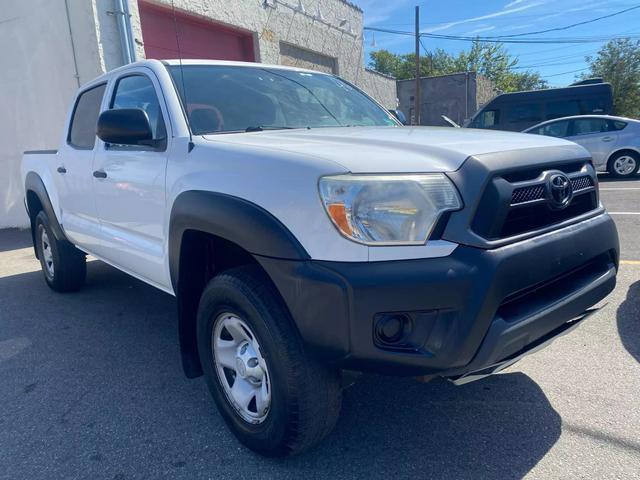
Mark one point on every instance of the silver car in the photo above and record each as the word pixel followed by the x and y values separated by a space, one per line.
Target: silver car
pixel 614 142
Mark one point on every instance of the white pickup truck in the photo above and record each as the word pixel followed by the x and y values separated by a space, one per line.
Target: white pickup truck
pixel 306 233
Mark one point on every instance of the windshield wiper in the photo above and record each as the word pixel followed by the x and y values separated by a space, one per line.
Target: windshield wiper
pixel 260 128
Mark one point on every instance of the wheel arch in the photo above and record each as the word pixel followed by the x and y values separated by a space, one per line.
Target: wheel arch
pixel 210 233
pixel 37 199
pixel 617 151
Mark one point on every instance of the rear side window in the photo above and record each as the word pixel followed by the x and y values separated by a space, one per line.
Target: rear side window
pixel 82 132
pixel 525 112
pixel 617 125
pixel 563 108
pixel 137 91
pixel 592 105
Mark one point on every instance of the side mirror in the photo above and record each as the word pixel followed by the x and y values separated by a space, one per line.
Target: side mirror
pixel 399 116
pixel 126 126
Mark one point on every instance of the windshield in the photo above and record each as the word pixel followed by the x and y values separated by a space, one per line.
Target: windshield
pixel 238 99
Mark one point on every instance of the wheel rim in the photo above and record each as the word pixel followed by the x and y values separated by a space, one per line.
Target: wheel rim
pixel 241 368
pixel 47 255
pixel 624 165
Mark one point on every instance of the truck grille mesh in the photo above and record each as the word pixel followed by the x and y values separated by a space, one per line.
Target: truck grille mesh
pixel 537 192
pixel 516 203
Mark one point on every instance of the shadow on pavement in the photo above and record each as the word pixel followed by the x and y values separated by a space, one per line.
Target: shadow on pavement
pixel 14 239
pixel 91 386
pixel 628 318
pixel 607 178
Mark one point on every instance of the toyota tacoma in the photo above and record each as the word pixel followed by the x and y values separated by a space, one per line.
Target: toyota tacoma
pixel 307 235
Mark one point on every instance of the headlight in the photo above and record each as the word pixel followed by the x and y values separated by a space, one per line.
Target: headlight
pixel 388 209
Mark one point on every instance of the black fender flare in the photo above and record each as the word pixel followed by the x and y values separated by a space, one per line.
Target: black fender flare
pixel 233 219
pixel 239 221
pixel 33 183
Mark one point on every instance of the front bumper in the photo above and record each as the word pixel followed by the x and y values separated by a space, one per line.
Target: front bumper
pixel 473 312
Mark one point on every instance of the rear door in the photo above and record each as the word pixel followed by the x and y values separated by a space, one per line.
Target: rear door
pixel 594 135
pixel 129 184
pixel 74 170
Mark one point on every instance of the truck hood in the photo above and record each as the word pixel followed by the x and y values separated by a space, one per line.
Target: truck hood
pixel 395 149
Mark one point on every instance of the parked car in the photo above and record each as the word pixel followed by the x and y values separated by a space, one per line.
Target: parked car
pixel 613 142
pixel 519 110
pixel 305 234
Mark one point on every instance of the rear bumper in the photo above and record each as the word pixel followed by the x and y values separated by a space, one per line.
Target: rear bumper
pixel 470 313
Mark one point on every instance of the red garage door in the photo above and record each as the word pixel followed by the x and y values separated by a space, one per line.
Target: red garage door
pixel 198 38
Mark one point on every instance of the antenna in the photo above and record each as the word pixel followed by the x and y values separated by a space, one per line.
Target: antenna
pixel 184 87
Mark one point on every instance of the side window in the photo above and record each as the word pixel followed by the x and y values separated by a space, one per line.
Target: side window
pixel 525 112
pixel 562 108
pixel 586 126
pixel 84 121
pixel 616 125
pixel 137 91
pixel 592 105
pixel 487 119
pixel 555 129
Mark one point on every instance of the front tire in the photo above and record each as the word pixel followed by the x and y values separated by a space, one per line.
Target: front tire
pixel 624 164
pixel 63 265
pixel 275 399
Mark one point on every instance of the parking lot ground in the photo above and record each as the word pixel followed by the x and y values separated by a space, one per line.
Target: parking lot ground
pixel 91 387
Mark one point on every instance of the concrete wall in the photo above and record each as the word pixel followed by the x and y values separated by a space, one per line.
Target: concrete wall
pixel 457 96
pixel 381 87
pixel 38 41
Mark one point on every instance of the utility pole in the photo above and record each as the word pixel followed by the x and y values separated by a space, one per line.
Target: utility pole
pixel 416 97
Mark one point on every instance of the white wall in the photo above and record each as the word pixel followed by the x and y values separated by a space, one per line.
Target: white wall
pixel 38 79
pixel 36 82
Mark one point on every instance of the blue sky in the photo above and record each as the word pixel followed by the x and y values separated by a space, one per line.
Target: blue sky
pixel 504 17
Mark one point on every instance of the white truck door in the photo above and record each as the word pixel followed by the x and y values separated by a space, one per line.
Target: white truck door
pixel 73 173
pixel 129 184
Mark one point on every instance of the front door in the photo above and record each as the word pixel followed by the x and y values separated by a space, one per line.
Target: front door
pixel 129 184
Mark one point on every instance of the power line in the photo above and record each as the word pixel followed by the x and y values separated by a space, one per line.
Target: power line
pixel 565 73
pixel 567 27
pixel 560 40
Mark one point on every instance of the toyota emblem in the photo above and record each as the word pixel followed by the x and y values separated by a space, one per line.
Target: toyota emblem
pixel 559 191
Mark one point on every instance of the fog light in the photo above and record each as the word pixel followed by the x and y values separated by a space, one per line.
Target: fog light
pixel 390 329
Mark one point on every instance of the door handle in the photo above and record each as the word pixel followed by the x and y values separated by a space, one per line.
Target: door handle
pixel 61 170
pixel 100 174
pixel 607 139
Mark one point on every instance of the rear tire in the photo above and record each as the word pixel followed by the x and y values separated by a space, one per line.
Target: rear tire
pixel 624 164
pixel 63 265
pixel 295 400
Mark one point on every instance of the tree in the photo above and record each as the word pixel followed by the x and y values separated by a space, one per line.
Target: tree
pixel 618 62
pixel 490 60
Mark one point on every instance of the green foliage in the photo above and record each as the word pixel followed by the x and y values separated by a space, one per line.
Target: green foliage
pixel 490 60
pixel 618 62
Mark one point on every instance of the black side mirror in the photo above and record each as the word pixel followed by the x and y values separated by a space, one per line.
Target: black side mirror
pixel 399 116
pixel 126 126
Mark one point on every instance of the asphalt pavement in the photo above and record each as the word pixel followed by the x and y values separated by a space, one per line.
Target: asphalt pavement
pixel 91 387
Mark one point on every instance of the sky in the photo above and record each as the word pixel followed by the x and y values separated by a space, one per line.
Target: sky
pixel 559 64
